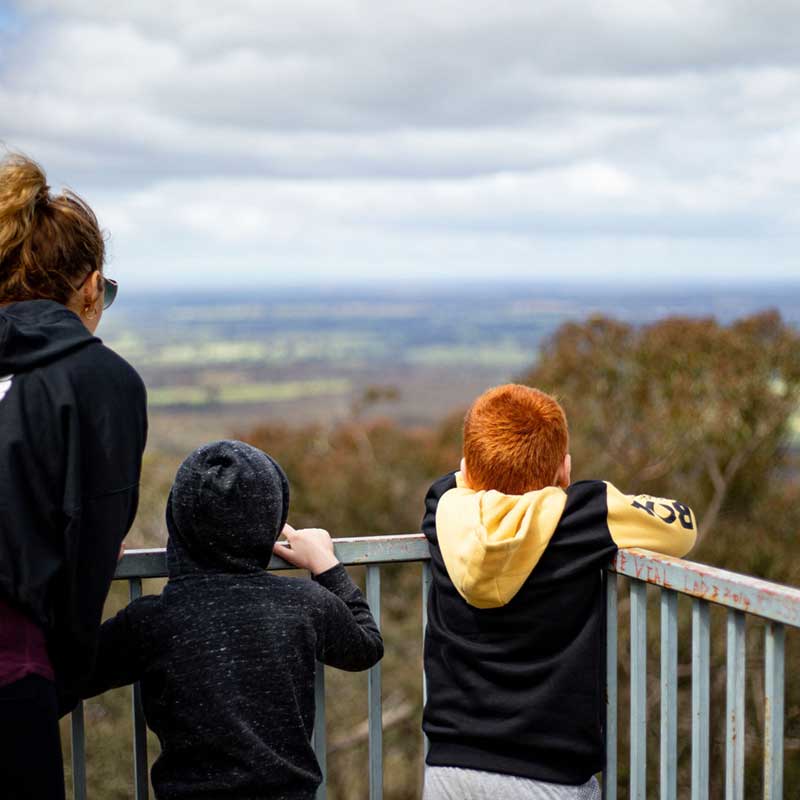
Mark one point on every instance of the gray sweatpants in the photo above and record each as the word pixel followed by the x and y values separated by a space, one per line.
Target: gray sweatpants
pixel 454 783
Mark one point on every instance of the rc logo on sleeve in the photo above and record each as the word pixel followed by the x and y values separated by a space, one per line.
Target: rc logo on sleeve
pixel 5 385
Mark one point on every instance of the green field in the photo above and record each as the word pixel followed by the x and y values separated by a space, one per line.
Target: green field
pixel 246 393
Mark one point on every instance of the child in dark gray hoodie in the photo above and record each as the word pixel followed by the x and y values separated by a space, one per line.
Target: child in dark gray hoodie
pixel 226 654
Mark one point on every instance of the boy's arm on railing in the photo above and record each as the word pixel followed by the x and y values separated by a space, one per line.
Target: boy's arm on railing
pixel 350 638
pixel 117 661
pixel 653 523
pixel 119 656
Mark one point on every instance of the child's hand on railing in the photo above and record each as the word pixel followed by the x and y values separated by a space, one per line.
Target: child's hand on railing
pixel 308 548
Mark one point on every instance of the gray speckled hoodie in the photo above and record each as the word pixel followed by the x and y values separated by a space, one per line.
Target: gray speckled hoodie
pixel 226 654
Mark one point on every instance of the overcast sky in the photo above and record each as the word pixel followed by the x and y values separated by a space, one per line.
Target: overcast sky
pixel 248 141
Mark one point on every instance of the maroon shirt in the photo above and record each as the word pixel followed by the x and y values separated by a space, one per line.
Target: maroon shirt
pixel 23 650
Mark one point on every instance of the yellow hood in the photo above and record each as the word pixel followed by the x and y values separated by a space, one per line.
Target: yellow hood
pixel 491 542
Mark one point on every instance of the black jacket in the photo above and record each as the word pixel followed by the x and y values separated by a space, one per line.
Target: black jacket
pixel 226 654
pixel 73 423
pixel 514 648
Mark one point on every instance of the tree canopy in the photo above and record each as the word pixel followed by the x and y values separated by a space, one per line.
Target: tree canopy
pixel 683 406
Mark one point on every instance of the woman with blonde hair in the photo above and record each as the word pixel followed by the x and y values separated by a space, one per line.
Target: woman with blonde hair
pixel 73 423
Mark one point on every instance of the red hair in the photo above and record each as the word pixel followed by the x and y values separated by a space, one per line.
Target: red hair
pixel 515 439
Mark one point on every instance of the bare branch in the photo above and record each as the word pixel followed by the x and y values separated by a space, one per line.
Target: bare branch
pixel 360 733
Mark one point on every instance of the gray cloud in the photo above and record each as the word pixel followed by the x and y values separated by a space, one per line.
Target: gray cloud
pixel 295 131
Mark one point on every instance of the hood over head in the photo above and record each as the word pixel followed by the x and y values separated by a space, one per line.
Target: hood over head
pixel 35 332
pixel 227 507
pixel 490 541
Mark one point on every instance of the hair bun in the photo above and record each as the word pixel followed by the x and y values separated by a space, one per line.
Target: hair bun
pixel 23 186
pixel 47 242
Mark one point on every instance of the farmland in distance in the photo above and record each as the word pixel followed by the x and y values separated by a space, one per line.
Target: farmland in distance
pixel 218 362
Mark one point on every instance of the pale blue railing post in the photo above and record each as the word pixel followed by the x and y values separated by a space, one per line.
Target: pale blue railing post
pixel 734 739
pixel 774 636
pixel 638 736
pixel 426 587
pixel 701 657
pixel 669 695
pixel 610 770
pixel 78 753
pixel 140 777
pixel 375 712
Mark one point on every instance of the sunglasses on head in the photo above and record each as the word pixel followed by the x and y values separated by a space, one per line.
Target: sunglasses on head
pixel 110 289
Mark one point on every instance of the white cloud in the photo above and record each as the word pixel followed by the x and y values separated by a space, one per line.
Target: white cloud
pixel 333 137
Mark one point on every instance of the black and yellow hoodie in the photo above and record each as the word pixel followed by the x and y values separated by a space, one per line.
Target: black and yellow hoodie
pixel 514 648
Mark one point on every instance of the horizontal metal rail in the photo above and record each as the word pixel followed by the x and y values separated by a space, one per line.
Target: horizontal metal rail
pixel 740 594
pixel 351 552
pixel 772 601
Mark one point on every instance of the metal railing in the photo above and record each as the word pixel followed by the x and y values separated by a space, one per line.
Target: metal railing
pixel 741 595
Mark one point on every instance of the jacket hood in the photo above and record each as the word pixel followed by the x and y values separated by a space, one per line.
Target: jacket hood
pixel 227 506
pixel 490 541
pixel 35 332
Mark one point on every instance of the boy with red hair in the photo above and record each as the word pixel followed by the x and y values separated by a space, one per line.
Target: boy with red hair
pixel 515 636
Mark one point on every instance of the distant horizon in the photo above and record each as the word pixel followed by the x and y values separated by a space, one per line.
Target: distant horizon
pixel 408 286
pixel 507 302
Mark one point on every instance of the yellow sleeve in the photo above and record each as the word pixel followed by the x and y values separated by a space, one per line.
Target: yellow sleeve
pixel 653 523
